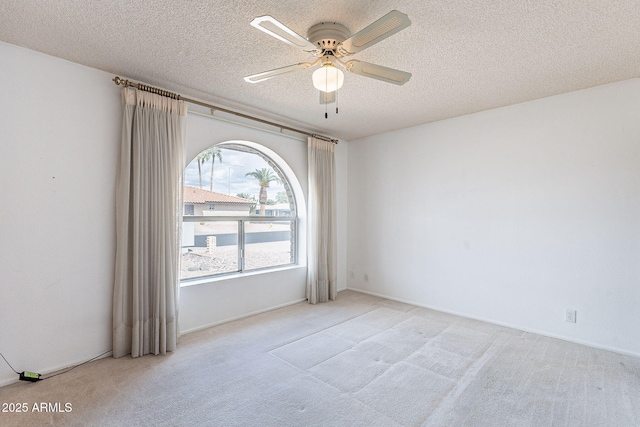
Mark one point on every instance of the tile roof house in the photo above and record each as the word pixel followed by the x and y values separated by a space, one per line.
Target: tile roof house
pixel 204 203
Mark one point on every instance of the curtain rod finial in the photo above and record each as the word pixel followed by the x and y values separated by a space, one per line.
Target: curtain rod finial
pixel 118 81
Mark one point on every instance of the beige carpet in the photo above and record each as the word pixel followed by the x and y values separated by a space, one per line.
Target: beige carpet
pixel 357 361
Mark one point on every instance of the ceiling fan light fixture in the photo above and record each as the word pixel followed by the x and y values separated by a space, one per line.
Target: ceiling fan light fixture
pixel 328 78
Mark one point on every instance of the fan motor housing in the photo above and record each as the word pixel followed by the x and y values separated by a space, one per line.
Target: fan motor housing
pixel 327 35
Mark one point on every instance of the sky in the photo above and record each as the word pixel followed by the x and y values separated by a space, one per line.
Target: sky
pixel 229 175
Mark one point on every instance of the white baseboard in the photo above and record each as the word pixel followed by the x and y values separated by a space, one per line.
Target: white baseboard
pixel 53 370
pixel 508 325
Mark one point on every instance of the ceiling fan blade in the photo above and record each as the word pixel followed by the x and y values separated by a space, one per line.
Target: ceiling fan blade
pixel 275 28
pixel 260 77
pixel 384 27
pixel 378 72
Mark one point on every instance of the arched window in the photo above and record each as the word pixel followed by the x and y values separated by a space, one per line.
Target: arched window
pixel 239 213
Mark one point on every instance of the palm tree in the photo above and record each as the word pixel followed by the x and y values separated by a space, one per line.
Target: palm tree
pixel 199 158
pixel 209 153
pixel 264 177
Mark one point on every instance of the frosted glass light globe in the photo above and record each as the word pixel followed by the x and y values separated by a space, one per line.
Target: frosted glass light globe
pixel 327 78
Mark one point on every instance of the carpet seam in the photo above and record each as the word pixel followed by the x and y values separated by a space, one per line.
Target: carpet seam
pixel 463 383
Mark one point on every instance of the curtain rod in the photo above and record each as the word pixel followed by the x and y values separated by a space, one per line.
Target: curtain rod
pixel 126 83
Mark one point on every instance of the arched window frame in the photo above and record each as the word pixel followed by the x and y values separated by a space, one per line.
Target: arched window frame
pixel 293 218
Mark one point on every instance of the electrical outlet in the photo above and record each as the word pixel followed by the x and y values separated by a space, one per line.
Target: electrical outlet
pixel 570 315
pixel 366 277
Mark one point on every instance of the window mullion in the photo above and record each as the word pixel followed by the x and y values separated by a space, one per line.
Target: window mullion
pixel 241 245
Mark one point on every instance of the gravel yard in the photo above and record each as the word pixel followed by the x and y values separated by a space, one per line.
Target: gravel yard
pixel 224 259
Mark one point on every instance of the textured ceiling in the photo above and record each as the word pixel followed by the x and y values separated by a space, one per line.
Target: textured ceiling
pixel 465 56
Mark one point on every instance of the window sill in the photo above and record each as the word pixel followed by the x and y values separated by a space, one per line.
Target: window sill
pixel 234 276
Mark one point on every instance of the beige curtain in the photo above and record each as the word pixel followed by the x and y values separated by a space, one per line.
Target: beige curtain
pixel 148 214
pixel 321 259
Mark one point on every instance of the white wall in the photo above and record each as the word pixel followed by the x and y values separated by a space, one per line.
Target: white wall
pixel 58 150
pixel 509 215
pixel 59 142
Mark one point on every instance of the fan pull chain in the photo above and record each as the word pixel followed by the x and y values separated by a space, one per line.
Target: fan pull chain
pixel 326 90
pixel 336 101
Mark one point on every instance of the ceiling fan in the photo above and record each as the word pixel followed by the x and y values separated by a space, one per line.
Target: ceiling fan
pixel 329 42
